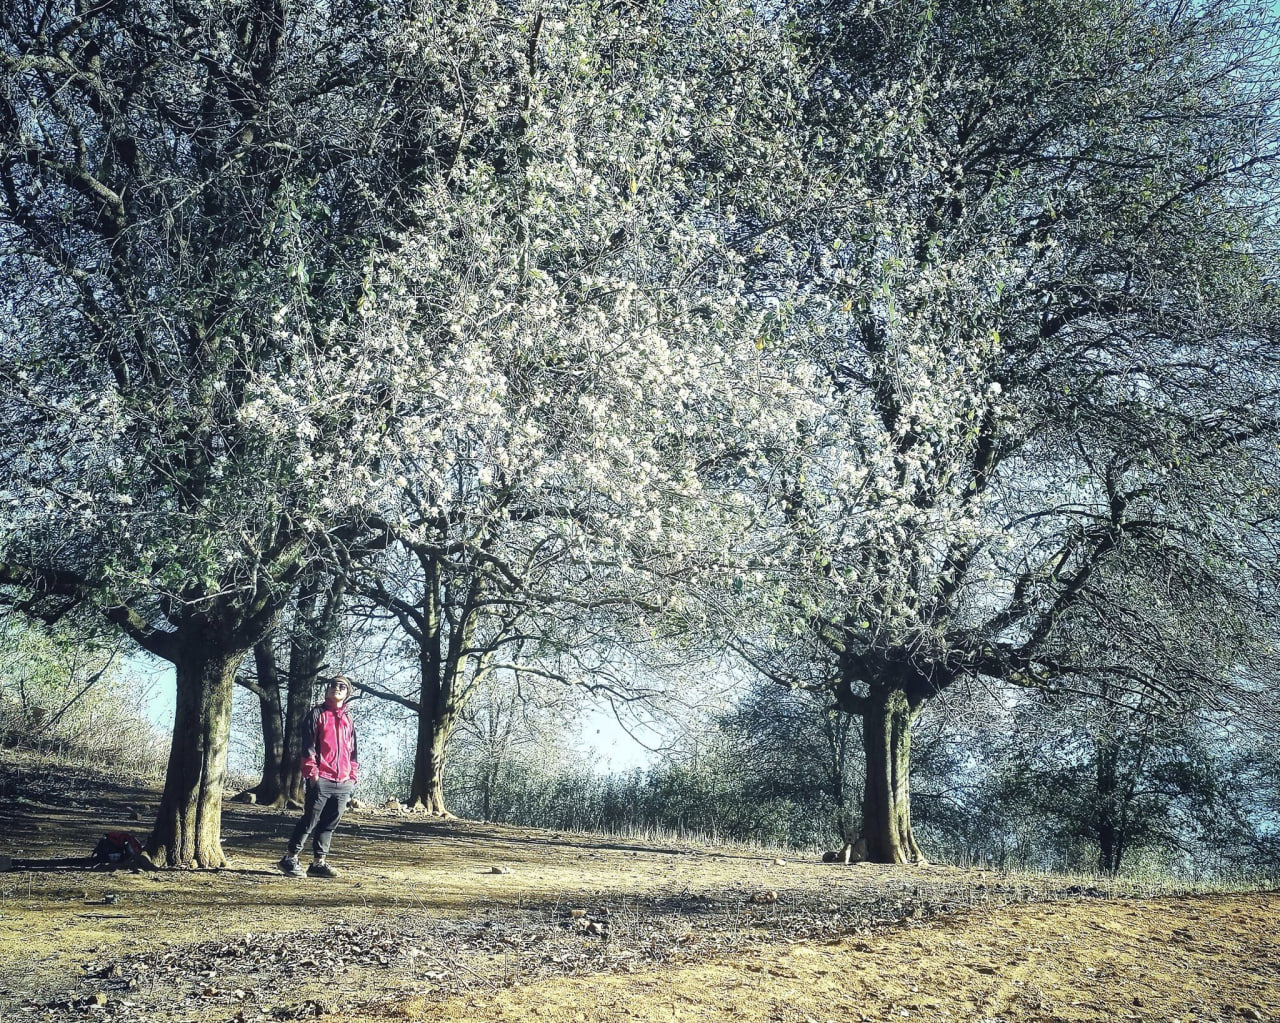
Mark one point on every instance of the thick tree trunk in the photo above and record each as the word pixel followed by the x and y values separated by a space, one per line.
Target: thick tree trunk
pixel 188 827
pixel 427 790
pixel 886 800
pixel 439 669
pixel 301 691
pixel 270 791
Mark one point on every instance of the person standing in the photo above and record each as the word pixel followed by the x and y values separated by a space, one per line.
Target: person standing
pixel 329 765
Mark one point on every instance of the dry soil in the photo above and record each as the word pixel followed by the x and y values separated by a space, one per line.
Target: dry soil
pixel 449 920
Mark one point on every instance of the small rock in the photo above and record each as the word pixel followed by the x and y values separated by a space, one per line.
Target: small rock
pixel 1248 1012
pixel 779 862
pixel 595 928
pixel 245 797
pixel 98 998
pixel 354 804
pixel 393 804
pixel 764 898
pixel 496 869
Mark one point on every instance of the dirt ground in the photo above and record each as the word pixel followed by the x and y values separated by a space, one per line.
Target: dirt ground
pixel 436 920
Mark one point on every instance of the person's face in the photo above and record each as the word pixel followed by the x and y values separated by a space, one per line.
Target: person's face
pixel 337 692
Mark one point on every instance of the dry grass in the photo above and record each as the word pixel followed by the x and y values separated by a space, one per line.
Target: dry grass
pixel 419 926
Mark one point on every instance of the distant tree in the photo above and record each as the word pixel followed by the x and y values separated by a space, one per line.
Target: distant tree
pixel 64 689
pixel 797 745
pixel 1245 832
pixel 511 725
pixel 1114 777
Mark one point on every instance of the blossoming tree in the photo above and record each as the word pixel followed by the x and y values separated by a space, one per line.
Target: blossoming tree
pixel 588 351
pixel 1035 295
pixel 285 279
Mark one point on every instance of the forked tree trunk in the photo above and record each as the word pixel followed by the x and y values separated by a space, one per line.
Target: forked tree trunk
pixel 436 716
pixel 886 799
pixel 188 827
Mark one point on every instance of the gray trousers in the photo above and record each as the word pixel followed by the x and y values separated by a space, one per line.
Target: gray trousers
pixel 320 815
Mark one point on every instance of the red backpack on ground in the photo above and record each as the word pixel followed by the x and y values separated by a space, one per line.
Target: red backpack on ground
pixel 115 846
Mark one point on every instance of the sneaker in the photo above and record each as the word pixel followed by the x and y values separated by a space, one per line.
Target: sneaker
pixel 290 867
pixel 321 869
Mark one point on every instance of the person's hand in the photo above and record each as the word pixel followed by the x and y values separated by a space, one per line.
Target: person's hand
pixel 310 772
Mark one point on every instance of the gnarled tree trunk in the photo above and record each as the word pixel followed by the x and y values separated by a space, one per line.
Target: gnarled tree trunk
pixel 887 718
pixel 188 827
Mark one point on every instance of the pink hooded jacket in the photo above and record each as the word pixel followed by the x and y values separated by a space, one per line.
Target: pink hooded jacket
pixel 329 748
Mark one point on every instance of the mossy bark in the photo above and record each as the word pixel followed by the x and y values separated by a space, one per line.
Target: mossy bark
pixel 188 827
pixel 886 802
